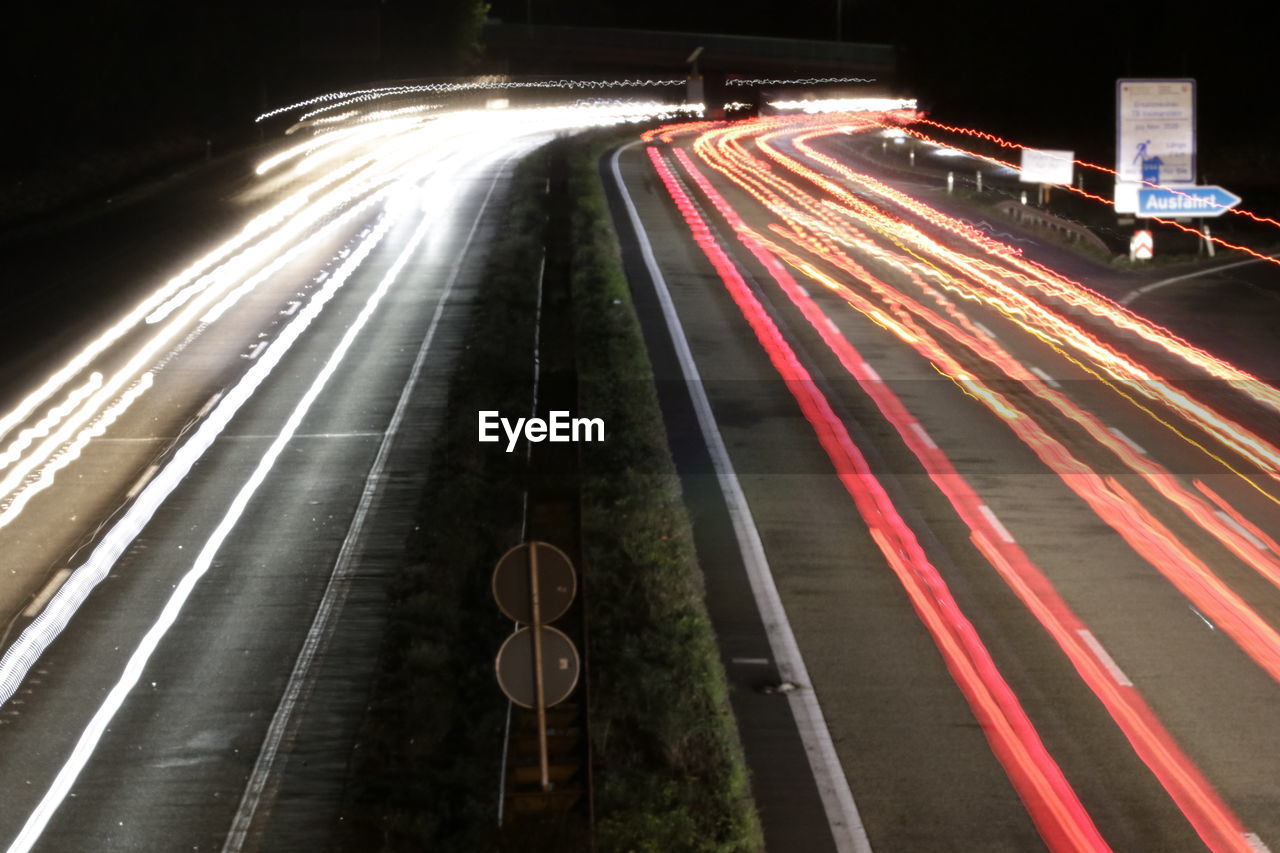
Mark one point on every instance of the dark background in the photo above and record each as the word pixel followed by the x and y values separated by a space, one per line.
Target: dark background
pixel 84 77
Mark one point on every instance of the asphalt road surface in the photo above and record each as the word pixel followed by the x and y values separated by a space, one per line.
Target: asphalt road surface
pixel 993 562
pixel 214 433
pixel 1024 540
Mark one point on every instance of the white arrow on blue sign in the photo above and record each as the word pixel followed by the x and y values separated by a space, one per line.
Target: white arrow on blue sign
pixel 1171 202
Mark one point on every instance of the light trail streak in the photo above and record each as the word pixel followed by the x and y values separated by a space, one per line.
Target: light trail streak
pixel 369 163
pixel 42 428
pixel 824 226
pixel 1114 506
pixel 394 181
pixel 57 793
pixel 795 81
pixel 35 471
pixel 69 452
pixel 1248 444
pixel 299 678
pixel 337 100
pixel 1011 299
pixel 1004 143
pixel 975 279
pixel 1049 798
pixel 1108 202
pixel 846 105
pixel 40 634
pixel 1186 785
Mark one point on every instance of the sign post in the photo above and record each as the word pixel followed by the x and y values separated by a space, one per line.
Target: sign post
pixel 534 583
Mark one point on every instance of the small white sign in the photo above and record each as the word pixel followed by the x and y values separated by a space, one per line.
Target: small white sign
pixel 1046 166
pixel 1126 197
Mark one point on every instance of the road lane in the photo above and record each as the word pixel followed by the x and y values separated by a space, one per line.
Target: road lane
pixel 1096 576
pixel 270 370
pixel 266 564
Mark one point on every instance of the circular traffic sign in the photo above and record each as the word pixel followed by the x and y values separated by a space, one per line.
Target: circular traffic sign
pixel 516 672
pixel 557 583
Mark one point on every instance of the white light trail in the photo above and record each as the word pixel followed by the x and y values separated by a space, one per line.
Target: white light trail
pixel 334 100
pixel 845 105
pixel 795 81
pixel 41 429
pixel 70 452
pixel 31 643
pixel 205 436
pixel 390 173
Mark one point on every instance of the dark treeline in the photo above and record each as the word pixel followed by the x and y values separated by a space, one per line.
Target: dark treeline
pixel 90 73
pixel 1040 73
pixel 83 74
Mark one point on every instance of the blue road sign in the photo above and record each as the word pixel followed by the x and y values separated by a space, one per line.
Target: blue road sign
pixel 1185 201
pixel 1151 169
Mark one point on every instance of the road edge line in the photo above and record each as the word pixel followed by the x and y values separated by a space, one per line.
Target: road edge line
pixel 845 821
pixel 336 588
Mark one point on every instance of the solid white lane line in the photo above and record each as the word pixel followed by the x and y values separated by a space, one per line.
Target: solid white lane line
pixel 842 813
pixel 1044 377
pixel 1108 663
pixel 1129 297
pixel 22 655
pixel 1242 530
pixel 47 593
pixel 335 591
pixel 1001 530
pixel 140 482
pixel 1133 445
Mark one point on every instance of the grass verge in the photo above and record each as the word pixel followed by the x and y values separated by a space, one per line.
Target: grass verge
pixel 670 773
pixel 428 778
pixel 668 767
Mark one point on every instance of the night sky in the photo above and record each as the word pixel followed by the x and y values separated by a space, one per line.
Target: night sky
pixel 1041 73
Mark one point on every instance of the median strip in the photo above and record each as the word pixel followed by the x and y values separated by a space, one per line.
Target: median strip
pixel 666 766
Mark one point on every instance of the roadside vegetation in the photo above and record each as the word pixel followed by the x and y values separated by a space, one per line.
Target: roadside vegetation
pixel 670 774
pixel 668 768
pixel 429 773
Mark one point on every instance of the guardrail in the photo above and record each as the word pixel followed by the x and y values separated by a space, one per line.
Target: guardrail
pixel 1072 232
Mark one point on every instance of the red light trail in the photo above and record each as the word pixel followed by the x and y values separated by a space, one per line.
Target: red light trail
pixel 1049 798
pixel 816 235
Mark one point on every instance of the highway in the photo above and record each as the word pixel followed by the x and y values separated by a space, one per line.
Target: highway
pixel 1023 540
pixel 202 490
pixel 993 558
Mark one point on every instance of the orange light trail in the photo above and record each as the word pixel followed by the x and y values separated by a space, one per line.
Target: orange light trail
pixel 823 227
pixel 983 280
pixel 1093 197
pixel 1143 533
pixel 1212 819
pixel 1004 143
pixel 1050 800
